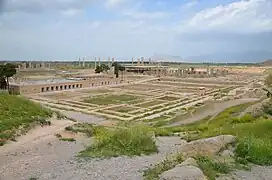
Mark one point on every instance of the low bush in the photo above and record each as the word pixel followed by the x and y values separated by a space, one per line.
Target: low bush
pixel 247 118
pixel 255 150
pixel 132 141
pixel 86 128
pixel 212 168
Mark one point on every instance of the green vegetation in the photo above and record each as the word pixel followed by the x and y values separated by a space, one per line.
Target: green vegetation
pixel 209 127
pixel 212 168
pixel 122 109
pixel 254 134
pixel 110 99
pixel 18 115
pixel 33 178
pixel 59 136
pixel 6 71
pixel 268 84
pixel 154 172
pixel 67 139
pixel 132 141
pixel 86 128
pixel 102 68
pixel 117 68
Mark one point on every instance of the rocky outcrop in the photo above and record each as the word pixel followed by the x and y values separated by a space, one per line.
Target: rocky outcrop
pixel 207 147
pixel 183 173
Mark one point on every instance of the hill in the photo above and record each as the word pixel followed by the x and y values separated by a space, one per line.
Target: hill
pixel 18 115
pixel 165 57
pixel 267 63
pixel 232 57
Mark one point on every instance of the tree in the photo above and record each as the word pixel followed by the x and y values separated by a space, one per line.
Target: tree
pixel 117 68
pixel 102 68
pixel 98 69
pixel 268 84
pixel 6 71
pixel 105 67
pixel 122 69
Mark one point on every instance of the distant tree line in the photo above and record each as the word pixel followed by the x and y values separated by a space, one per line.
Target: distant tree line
pixel 6 71
pixel 105 68
pixel 102 68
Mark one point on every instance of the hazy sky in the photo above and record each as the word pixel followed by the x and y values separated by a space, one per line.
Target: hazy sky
pixel 67 29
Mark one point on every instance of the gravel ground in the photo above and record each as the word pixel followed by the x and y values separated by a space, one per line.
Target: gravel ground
pixel 256 173
pixel 82 117
pixel 54 159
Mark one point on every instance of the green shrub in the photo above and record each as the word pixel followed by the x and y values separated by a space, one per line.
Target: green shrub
pixel 267 108
pixel 18 115
pixel 86 128
pixel 121 141
pixel 247 118
pixel 68 139
pixel 255 150
pixel 212 168
pixel 169 163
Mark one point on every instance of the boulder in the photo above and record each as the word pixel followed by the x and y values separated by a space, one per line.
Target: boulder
pixel 227 153
pixel 183 173
pixel 207 147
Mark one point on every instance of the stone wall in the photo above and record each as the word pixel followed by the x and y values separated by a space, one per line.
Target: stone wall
pixel 51 87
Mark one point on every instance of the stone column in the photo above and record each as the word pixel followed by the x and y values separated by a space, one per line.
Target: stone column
pixel 109 62
pixel 83 61
pixel 29 65
pixel 132 61
pixel 95 63
pixel 24 65
pixel 138 62
pixel 149 60
pixel 142 61
pixel 79 62
pixel 98 61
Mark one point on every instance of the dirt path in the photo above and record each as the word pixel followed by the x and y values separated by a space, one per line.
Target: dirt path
pixel 52 159
pixel 37 135
pixel 213 110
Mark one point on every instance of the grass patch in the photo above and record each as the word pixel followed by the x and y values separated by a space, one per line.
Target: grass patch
pixel 86 128
pixel 212 168
pixel 110 99
pixel 67 139
pixel 132 141
pixel 154 172
pixel 122 109
pixel 32 178
pixel 254 134
pixel 255 150
pixel 18 115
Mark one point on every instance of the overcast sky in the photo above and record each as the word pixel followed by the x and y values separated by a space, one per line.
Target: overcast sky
pixel 67 29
